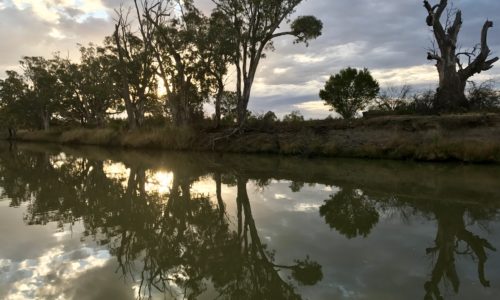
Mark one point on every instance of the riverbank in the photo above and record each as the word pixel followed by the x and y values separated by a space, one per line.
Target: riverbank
pixel 466 138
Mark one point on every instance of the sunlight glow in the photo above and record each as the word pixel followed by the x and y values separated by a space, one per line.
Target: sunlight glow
pixel 162 90
pixel 423 74
pixel 280 71
pixel 159 182
pixel 57 34
pixel 116 171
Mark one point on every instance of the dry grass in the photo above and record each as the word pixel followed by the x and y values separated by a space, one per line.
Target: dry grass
pixel 106 137
pixel 470 139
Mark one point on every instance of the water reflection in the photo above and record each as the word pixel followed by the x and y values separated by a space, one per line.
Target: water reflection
pixel 181 237
pixel 354 213
pixel 169 235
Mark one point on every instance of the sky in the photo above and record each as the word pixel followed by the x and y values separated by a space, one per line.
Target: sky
pixel 388 37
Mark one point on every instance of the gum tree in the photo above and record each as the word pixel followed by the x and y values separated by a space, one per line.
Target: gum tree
pixel 453 73
pixel 257 24
pixel 173 31
pixel 350 91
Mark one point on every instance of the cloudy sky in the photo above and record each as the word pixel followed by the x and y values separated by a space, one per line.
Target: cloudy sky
pixel 388 37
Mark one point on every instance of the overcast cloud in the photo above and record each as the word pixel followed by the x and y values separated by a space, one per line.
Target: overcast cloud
pixel 388 37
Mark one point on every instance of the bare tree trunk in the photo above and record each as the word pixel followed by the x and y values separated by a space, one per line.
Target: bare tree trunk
pixel 453 75
pixel 218 191
pixel 218 99
pixel 450 95
pixel 12 133
pixel 139 107
pixel 45 120
pixel 124 81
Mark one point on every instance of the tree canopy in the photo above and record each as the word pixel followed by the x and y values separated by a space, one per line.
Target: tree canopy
pixel 349 91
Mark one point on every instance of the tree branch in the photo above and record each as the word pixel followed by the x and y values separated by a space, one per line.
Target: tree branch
pixel 481 62
pixel 455 28
pixel 433 20
pixel 433 56
pixel 281 34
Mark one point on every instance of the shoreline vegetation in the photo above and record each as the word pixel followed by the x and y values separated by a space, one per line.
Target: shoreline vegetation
pixel 471 138
pixel 158 69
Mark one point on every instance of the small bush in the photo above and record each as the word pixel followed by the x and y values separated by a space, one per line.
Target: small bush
pixel 483 97
pixel 293 117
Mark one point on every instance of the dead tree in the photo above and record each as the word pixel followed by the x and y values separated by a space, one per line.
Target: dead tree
pixel 453 73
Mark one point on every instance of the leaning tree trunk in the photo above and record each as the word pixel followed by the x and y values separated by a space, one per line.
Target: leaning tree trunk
pixel 453 76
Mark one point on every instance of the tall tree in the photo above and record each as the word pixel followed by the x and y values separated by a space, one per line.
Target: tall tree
pixel 44 88
pixel 218 50
pixel 137 71
pixel 174 29
pixel 451 92
pixel 89 87
pixel 256 23
pixel 12 95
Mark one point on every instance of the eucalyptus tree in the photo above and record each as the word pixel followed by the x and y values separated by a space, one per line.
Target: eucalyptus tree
pixel 89 87
pixel 218 52
pixel 229 106
pixel 349 91
pixel 451 92
pixel 12 96
pixel 256 24
pixel 173 30
pixel 44 91
pixel 136 69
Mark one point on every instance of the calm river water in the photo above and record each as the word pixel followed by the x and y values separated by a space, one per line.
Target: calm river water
pixel 90 223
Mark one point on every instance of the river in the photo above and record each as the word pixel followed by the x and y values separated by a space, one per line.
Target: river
pixel 94 223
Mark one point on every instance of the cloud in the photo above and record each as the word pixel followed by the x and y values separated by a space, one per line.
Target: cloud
pixel 390 38
pixel 57 34
pixel 48 275
pixel 53 10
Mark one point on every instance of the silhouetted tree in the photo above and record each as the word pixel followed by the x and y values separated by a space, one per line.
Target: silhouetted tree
pixel 350 212
pixel 136 69
pixel 13 92
pixel 451 92
pixel 44 95
pixel 175 31
pixel 256 23
pixel 349 91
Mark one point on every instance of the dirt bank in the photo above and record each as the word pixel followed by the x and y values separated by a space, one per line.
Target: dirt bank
pixel 467 138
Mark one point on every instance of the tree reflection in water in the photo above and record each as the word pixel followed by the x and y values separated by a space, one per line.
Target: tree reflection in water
pixel 178 243
pixel 354 213
pixel 182 242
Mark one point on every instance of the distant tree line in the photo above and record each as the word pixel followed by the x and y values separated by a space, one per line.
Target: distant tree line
pixel 170 45
pixel 157 45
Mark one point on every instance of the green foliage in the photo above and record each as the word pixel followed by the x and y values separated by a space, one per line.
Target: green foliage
pixel 228 103
pixel 136 72
pixel 257 23
pixel 293 117
pixel 306 28
pixel 350 212
pixel 13 96
pixel 178 42
pixel 349 91
pixel 307 272
pixel 270 117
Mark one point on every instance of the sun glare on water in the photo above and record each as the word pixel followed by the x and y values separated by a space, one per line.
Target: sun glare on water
pixel 159 182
